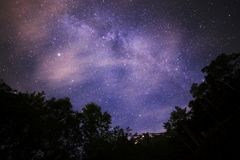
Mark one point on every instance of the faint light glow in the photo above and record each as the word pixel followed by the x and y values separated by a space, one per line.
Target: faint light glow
pixel 59 54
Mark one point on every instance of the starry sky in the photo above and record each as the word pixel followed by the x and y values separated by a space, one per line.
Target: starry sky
pixel 137 59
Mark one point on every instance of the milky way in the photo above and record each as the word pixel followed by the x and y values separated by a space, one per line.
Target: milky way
pixel 137 59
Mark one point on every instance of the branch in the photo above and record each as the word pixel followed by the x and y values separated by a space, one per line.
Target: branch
pixel 230 86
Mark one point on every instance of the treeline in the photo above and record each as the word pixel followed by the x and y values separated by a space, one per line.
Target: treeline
pixel 32 127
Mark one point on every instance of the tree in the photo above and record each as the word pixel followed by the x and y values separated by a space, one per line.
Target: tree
pixel 100 140
pixel 218 96
pixel 216 103
pixel 179 127
pixel 95 128
pixel 34 128
pixel 177 119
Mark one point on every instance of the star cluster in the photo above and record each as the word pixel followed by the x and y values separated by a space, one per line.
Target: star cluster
pixel 136 59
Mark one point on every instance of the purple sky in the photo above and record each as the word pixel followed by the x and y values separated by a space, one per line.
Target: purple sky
pixel 137 59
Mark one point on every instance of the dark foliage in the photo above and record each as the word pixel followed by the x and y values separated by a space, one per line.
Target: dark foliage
pixel 35 128
pixel 32 127
pixel 210 129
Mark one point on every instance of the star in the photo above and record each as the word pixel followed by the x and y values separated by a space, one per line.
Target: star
pixel 136 59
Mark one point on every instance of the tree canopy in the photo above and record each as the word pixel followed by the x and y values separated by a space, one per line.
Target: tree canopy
pixel 32 127
pixel 216 105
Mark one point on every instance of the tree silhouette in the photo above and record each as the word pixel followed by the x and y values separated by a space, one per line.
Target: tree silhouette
pixel 100 141
pixel 215 107
pixel 32 127
pixel 218 96
pixel 95 128
pixel 35 128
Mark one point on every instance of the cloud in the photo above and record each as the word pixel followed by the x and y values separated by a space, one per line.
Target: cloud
pixel 134 61
pixel 30 21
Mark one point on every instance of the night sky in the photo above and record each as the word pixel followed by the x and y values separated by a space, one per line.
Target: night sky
pixel 137 59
